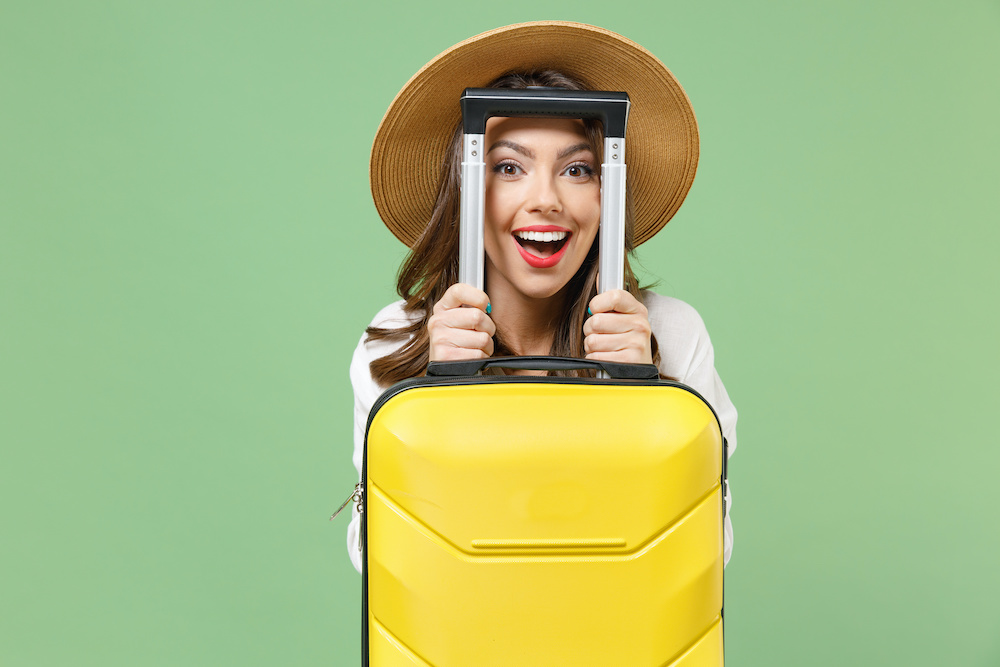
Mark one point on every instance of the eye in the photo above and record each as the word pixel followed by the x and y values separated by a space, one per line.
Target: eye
pixel 579 170
pixel 507 169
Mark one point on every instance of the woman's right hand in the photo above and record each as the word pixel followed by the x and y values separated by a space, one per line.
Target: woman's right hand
pixel 459 327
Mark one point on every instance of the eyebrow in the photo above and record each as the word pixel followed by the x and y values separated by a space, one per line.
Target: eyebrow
pixel 566 152
pixel 523 150
pixel 527 152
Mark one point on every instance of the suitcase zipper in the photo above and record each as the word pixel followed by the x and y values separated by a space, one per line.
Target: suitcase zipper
pixel 357 496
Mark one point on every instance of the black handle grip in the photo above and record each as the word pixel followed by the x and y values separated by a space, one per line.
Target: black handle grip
pixel 478 104
pixel 620 371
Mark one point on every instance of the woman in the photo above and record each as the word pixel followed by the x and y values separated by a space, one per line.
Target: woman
pixel 542 218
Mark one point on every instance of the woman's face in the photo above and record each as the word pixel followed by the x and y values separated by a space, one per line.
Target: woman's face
pixel 543 204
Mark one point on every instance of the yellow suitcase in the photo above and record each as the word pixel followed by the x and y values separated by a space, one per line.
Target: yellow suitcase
pixel 542 520
pixel 585 529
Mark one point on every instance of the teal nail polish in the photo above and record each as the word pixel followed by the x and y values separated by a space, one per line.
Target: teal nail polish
pixel 589 312
pixel 489 308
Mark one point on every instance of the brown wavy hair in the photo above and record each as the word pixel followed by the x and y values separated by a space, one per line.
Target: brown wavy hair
pixel 432 265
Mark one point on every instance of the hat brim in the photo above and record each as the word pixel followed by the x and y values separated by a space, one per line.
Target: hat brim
pixel 661 140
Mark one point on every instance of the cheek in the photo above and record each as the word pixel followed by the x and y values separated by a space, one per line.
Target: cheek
pixel 496 212
pixel 589 213
pixel 494 224
pixel 493 215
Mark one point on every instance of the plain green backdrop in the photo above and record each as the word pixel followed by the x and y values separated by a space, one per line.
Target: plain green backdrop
pixel 189 253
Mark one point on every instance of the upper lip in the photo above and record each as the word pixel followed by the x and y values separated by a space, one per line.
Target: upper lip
pixel 540 228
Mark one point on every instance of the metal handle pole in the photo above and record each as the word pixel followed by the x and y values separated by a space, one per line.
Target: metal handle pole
pixel 611 260
pixel 471 222
pixel 611 244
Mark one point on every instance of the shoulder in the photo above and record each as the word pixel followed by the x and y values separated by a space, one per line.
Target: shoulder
pixel 393 316
pixel 680 334
pixel 670 316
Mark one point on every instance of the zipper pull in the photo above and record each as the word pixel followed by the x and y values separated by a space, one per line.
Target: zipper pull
pixel 355 496
pixel 359 495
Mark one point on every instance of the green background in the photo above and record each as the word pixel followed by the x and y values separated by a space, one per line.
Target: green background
pixel 189 253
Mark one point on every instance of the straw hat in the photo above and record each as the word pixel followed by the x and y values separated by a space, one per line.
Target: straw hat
pixel 661 141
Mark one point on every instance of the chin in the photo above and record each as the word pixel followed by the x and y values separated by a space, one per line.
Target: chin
pixel 536 284
pixel 542 289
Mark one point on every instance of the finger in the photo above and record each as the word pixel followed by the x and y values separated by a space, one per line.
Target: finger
pixel 465 338
pixel 462 344
pixel 628 355
pixel 628 347
pixel 614 323
pixel 459 295
pixel 619 356
pixel 618 301
pixel 610 342
pixel 462 318
pixel 449 353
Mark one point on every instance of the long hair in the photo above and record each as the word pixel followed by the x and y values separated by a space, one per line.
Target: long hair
pixel 432 265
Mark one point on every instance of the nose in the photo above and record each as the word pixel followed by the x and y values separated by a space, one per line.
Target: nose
pixel 544 196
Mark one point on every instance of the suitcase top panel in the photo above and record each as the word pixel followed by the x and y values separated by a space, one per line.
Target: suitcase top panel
pixel 549 466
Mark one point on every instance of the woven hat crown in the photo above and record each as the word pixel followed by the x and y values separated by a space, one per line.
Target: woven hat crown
pixel 413 138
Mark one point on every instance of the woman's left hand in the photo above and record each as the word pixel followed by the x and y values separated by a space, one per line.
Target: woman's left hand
pixel 618 330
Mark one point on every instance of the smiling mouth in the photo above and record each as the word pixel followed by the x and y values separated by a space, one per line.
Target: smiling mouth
pixel 542 249
pixel 541 244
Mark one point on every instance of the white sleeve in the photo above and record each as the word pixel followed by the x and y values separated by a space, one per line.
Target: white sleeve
pixel 365 393
pixel 703 377
pixel 687 354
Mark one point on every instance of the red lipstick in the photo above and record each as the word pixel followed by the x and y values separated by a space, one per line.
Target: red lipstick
pixel 541 228
pixel 542 262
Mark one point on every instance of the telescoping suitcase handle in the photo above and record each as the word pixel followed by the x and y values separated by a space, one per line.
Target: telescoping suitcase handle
pixel 480 104
pixel 613 369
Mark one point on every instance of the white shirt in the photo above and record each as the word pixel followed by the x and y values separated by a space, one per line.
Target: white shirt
pixel 685 353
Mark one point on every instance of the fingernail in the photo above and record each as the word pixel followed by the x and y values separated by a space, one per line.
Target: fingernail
pixel 589 311
pixel 489 308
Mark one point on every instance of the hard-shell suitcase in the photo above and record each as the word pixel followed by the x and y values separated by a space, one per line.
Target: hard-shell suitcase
pixel 542 520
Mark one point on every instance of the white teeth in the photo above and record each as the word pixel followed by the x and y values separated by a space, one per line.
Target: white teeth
pixel 544 237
